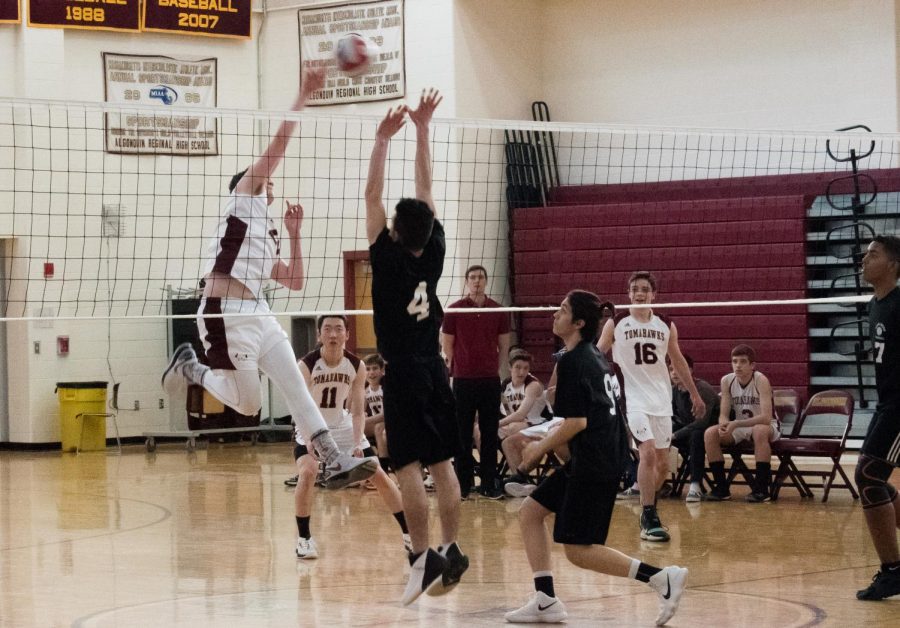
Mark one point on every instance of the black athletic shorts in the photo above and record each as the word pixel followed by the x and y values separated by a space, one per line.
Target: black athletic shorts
pixel 301 450
pixel 419 412
pixel 883 436
pixel 583 507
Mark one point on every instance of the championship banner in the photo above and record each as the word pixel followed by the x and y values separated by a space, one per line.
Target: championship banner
pixel 213 18
pixel 9 12
pixel 379 22
pixel 110 15
pixel 154 81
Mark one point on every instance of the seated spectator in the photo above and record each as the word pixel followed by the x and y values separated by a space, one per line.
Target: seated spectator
pixel 522 401
pixel 747 394
pixel 687 431
pixel 520 484
pixel 374 427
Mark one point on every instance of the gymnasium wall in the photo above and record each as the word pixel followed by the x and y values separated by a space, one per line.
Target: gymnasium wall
pixel 759 65
pixel 54 196
pixel 769 64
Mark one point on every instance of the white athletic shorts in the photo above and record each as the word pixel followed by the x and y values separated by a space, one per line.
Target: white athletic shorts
pixel 740 434
pixel 646 426
pixel 235 343
pixel 541 430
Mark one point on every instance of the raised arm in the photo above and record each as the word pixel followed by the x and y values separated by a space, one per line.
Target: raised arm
pixel 254 181
pixel 607 337
pixel 421 116
pixel 290 274
pixel 376 220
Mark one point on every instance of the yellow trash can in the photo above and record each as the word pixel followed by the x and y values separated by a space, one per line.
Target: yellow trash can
pixel 87 433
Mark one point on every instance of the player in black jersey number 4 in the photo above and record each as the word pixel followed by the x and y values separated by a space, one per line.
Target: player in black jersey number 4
pixel 419 416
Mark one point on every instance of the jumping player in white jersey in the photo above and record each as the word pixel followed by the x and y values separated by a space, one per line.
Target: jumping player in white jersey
pixel 748 393
pixel 244 253
pixel 336 380
pixel 640 342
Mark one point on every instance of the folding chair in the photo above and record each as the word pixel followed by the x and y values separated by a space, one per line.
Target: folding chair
pixel 113 405
pixel 738 466
pixel 820 432
pixel 787 408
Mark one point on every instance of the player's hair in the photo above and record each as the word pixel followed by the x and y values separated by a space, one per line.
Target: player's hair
pixel 321 320
pixel 687 358
pixel 413 222
pixel 891 246
pixel 744 350
pixel 643 274
pixel 374 359
pixel 520 354
pixel 235 179
pixel 587 306
pixel 475 267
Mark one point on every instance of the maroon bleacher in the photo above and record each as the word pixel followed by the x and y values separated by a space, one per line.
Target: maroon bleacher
pixel 710 247
pixel 805 184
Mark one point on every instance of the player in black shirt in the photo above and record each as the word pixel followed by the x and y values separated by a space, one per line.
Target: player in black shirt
pixel 582 493
pixel 419 417
pixel 880 452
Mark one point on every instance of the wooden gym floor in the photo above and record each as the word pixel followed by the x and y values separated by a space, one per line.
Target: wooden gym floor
pixel 207 539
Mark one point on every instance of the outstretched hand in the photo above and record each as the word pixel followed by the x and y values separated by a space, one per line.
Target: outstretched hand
pixel 393 122
pixel 293 218
pixel 312 79
pixel 428 102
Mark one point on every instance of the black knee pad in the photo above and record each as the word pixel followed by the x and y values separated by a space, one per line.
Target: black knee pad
pixel 872 475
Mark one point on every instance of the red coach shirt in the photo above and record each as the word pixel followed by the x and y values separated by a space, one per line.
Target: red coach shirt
pixel 475 352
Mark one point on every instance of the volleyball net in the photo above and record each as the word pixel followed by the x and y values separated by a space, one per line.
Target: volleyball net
pixel 106 211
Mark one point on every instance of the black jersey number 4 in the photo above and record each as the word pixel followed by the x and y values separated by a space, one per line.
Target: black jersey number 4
pixel 419 306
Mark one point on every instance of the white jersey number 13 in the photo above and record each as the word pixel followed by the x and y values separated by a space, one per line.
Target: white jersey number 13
pixel 419 306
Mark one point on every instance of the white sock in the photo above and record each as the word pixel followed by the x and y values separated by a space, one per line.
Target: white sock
pixel 695 487
pixel 632 571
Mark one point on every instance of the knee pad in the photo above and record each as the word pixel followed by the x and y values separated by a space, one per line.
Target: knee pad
pixel 871 478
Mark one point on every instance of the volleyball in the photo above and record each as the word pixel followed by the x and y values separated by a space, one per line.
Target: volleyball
pixel 354 54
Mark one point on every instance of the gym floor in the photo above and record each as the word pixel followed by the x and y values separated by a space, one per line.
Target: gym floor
pixel 207 538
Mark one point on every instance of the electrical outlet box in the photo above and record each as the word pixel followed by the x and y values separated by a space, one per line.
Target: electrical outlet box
pixel 162 403
pixel 37 347
pixel 137 404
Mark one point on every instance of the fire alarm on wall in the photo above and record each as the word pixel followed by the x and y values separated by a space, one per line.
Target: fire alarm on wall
pixel 62 345
pixel 48 270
